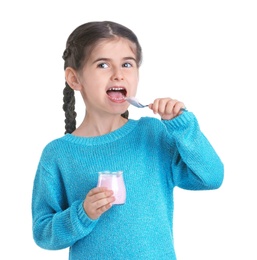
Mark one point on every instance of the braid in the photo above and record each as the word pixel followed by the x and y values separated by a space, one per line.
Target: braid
pixel 125 115
pixel 69 108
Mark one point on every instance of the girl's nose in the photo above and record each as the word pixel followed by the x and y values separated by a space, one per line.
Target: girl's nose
pixel 117 74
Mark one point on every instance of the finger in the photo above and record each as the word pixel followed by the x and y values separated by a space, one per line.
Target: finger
pixel 103 193
pixel 104 208
pixel 154 106
pixel 170 105
pixel 162 104
pixel 159 105
pixel 96 190
pixel 165 106
pixel 104 202
pixel 178 109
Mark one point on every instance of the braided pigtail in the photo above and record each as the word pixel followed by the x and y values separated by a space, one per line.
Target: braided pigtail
pixel 125 115
pixel 69 108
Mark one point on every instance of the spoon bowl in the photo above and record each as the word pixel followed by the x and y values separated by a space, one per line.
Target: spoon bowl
pixel 135 102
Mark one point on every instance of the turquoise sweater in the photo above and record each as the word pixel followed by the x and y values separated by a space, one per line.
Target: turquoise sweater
pixel 155 156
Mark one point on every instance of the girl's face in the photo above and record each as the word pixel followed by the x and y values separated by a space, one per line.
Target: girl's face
pixel 109 74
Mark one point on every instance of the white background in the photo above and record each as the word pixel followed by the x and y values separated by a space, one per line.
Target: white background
pixel 201 52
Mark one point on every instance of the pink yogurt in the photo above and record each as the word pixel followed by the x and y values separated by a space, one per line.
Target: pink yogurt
pixel 115 182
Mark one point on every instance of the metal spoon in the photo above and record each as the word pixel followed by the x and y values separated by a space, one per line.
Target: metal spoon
pixel 135 102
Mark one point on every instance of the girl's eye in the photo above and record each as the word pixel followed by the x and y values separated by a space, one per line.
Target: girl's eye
pixel 127 65
pixel 102 65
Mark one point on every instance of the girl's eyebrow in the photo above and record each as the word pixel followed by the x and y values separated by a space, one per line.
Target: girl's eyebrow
pixel 129 58
pixel 101 59
pixel 108 59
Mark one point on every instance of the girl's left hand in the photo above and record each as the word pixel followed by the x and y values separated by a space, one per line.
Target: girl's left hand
pixel 167 108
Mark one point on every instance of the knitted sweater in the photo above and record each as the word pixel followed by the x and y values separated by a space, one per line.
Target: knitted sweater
pixel 155 156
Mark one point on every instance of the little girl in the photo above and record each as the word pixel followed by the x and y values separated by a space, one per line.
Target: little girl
pixel 102 61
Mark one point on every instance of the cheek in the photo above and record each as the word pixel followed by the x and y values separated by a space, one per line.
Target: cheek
pixel 92 81
pixel 133 77
pixel 136 79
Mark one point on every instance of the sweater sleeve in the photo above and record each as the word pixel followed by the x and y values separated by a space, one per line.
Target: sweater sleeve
pixel 195 164
pixel 56 225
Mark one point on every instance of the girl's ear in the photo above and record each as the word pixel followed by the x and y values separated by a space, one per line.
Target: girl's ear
pixel 72 79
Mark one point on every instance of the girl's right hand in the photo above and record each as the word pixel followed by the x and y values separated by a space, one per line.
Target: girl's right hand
pixel 97 201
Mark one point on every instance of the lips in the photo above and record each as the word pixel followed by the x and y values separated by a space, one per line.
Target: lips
pixel 116 93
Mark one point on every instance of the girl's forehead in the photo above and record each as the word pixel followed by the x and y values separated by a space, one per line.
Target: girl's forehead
pixel 113 44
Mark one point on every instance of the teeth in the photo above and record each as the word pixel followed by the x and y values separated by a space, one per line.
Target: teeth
pixel 118 99
pixel 116 89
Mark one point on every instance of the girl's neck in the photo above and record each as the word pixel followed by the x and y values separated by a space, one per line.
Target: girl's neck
pixel 93 126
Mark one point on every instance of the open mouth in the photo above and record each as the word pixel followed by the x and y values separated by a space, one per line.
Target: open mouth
pixel 117 94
